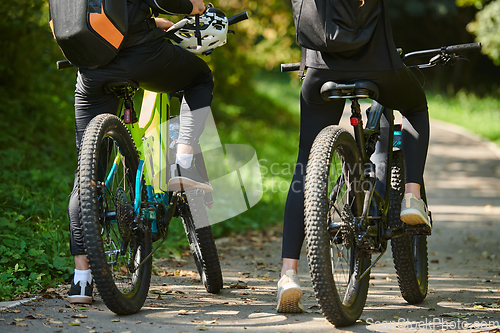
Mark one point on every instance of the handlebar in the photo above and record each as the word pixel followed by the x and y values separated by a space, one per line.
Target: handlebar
pixel 444 49
pixel 445 52
pixel 237 18
pixel 292 67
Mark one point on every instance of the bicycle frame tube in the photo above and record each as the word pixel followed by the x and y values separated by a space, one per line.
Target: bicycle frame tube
pixel 381 119
pixel 112 172
pixel 150 135
pixel 138 187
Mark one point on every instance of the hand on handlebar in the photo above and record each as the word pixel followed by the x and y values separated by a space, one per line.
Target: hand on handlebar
pixel 163 23
pixel 198 7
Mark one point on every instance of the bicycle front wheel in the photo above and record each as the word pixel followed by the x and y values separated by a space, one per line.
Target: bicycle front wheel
pixel 116 238
pixel 333 198
pixel 201 242
pixel 409 252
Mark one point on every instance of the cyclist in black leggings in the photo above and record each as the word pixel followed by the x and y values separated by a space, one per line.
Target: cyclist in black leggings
pixel 378 61
pixel 157 65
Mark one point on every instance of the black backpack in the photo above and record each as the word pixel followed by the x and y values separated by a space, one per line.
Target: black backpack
pixel 90 32
pixel 335 25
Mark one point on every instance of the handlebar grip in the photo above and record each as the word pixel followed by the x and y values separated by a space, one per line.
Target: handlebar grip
pixel 463 47
pixel 290 67
pixel 62 64
pixel 237 18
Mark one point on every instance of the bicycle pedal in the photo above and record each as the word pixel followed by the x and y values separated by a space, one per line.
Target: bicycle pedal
pixel 418 230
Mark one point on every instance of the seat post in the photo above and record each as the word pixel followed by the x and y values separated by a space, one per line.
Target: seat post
pixel 357 124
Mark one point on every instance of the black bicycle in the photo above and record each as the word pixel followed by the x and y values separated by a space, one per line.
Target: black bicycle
pixel 352 208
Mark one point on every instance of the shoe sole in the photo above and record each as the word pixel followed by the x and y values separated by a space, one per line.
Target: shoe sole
pixel 80 299
pixel 184 184
pixel 289 301
pixel 414 217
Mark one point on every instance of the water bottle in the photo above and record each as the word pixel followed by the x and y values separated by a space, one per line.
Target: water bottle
pixel 173 134
pixel 396 142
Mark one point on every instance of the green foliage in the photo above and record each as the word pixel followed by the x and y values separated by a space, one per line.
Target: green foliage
pixel 486 27
pixel 37 155
pixel 31 258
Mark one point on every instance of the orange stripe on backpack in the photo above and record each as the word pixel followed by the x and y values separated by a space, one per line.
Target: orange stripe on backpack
pixel 105 28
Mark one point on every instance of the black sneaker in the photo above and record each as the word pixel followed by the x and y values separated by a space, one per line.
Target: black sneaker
pixel 79 294
pixel 186 179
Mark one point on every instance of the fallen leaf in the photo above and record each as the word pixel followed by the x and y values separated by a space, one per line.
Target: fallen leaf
pixel 22 324
pixel 79 316
pixel 201 328
pixel 30 317
pixel 239 285
pixel 74 323
pixel 18 319
pixel 115 320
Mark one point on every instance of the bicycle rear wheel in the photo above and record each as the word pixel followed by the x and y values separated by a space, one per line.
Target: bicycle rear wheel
pixel 409 252
pixel 201 241
pixel 116 238
pixel 333 199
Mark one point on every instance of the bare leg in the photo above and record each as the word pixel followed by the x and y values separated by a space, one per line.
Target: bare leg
pixel 413 188
pixel 81 262
pixel 183 148
pixel 289 264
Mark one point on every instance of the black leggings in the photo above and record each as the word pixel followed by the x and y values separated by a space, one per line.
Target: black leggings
pixel 399 90
pixel 156 66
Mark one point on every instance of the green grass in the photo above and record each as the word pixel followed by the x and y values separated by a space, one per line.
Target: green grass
pixel 480 115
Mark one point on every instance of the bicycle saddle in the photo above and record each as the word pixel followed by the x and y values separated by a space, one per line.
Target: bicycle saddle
pixel 120 87
pixel 358 89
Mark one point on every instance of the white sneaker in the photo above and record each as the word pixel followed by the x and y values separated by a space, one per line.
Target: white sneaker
pixel 289 293
pixel 414 211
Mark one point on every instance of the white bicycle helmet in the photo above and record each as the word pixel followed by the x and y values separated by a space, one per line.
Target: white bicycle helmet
pixel 213 26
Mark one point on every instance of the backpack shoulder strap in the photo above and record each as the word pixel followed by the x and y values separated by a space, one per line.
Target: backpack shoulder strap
pixel 134 11
pixel 302 66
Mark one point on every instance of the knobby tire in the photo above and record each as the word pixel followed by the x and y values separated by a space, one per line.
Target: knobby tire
pixel 114 247
pixel 202 244
pixel 409 252
pixel 334 148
